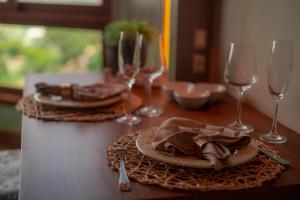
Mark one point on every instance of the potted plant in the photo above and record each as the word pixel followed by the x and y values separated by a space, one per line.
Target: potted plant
pixel 111 38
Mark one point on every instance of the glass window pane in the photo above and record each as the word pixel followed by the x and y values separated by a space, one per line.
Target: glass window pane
pixel 38 49
pixel 68 2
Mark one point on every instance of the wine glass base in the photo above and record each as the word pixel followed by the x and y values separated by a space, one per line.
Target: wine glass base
pixel 129 120
pixel 273 138
pixel 151 111
pixel 245 128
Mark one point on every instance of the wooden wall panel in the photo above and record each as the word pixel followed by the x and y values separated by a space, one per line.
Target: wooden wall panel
pixel 192 16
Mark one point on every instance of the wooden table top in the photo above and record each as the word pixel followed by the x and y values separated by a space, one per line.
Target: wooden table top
pixel 64 160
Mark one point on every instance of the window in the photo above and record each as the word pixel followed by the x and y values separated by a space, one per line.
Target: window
pixel 31 27
pixel 39 49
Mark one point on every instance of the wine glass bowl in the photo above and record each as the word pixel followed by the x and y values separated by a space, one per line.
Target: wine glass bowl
pixel 240 69
pixel 153 69
pixel 241 72
pixel 280 65
pixel 129 68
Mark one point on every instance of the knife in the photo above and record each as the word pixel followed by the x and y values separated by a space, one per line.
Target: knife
pixel 274 156
pixel 45 117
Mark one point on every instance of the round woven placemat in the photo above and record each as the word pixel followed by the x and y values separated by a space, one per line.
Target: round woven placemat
pixel 30 108
pixel 149 171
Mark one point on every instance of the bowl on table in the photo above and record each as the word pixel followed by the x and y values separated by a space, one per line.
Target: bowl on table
pixel 191 97
pixel 216 90
pixel 170 86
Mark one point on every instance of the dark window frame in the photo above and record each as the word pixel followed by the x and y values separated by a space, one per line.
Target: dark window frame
pixel 58 15
pixel 72 16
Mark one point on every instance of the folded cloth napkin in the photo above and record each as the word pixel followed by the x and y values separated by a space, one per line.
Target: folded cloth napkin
pixel 188 137
pixel 82 93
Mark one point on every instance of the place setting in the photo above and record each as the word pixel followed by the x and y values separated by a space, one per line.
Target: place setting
pixel 73 102
pixel 186 154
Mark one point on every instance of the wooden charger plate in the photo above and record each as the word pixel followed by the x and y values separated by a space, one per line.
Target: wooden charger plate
pixel 144 145
pixel 69 103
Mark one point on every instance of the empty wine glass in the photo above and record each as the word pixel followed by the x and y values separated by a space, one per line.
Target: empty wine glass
pixel 280 66
pixel 129 61
pixel 240 72
pixel 154 68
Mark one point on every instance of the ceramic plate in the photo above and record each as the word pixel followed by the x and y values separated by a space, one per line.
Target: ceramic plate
pixel 69 103
pixel 144 145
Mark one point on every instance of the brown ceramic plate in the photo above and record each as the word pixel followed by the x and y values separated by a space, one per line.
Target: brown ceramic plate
pixel 69 103
pixel 144 145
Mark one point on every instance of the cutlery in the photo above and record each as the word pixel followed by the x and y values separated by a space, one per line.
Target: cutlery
pixel 56 116
pixel 124 183
pixel 274 156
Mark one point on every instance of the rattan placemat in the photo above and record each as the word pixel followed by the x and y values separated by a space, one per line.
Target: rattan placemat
pixel 149 171
pixel 30 108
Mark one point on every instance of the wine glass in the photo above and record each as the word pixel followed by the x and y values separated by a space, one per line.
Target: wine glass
pixel 129 61
pixel 154 68
pixel 240 72
pixel 280 66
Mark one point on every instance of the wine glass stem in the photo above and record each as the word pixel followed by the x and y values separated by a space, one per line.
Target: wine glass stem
pixel 129 100
pixel 148 87
pixel 274 124
pixel 239 107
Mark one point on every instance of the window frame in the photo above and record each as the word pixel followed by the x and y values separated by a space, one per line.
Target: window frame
pixel 9 96
pixel 72 16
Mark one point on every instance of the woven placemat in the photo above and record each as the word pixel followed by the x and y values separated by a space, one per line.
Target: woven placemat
pixel 149 171
pixel 30 108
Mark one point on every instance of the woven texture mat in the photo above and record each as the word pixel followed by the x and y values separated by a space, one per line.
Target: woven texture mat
pixel 149 171
pixel 30 108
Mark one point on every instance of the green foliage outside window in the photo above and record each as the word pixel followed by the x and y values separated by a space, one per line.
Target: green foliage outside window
pixel 131 27
pixel 27 49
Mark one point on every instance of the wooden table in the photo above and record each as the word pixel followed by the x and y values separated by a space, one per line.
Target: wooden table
pixel 62 161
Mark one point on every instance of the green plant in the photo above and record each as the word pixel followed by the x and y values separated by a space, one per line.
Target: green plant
pixel 112 31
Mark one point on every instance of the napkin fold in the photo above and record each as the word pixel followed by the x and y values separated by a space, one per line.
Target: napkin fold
pixel 189 137
pixel 75 92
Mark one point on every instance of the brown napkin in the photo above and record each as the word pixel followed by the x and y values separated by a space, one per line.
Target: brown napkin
pixel 188 137
pixel 82 93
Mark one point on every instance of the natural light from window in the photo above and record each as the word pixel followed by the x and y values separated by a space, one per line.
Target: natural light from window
pixel 38 49
pixel 72 2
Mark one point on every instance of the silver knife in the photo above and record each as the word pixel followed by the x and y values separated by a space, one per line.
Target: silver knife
pixel 274 156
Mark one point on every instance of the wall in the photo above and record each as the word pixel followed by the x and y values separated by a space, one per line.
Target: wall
pixel 261 22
